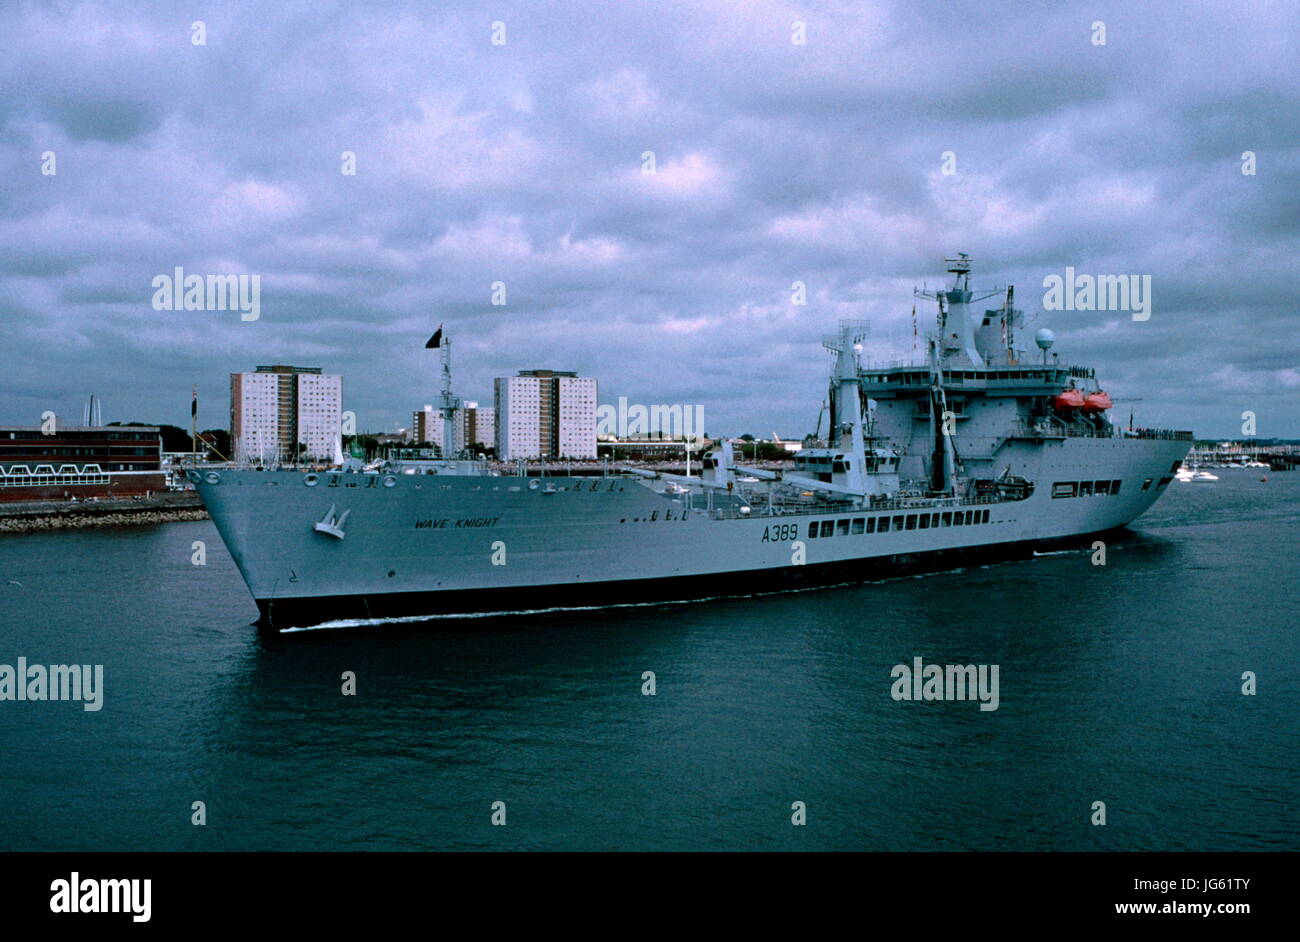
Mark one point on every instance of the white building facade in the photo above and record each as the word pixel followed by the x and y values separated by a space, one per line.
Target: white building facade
pixel 545 414
pixel 473 427
pixel 427 428
pixel 320 416
pixel 478 426
pixel 518 411
pixel 279 414
pixel 576 429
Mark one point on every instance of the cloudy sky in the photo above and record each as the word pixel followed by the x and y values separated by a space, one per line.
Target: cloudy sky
pixel 523 163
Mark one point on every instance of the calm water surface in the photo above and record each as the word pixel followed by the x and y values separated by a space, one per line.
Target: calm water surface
pixel 1119 683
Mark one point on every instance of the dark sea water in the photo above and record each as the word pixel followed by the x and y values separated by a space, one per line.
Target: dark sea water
pixel 1118 683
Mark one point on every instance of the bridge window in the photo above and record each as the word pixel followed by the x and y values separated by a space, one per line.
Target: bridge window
pixel 1163 482
pixel 812 530
pixel 1085 488
pixel 898 522
pixel 871 524
pixel 1065 489
pixel 925 521
pixel 986 517
pixel 842 527
pixel 947 520
pixel 911 522
pixel 859 525
pixel 1146 485
pixel 1114 487
pixel 1101 488
pixel 828 528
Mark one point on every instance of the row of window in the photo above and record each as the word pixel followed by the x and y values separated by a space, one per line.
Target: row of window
pixel 859 525
pixel 48 480
pixel 110 464
pixel 35 451
pixel 1087 488
pixel 60 435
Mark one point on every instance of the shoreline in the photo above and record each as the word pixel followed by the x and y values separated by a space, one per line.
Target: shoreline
pixel 45 516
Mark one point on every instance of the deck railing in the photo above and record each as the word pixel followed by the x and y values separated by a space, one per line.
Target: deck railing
pixel 760 509
pixel 1061 430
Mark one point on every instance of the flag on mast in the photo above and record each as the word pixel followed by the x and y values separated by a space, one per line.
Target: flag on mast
pixel 436 340
pixel 194 401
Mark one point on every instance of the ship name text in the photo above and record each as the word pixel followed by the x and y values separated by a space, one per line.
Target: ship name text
pixel 463 523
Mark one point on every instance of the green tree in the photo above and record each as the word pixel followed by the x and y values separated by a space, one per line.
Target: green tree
pixel 220 439
pixel 173 438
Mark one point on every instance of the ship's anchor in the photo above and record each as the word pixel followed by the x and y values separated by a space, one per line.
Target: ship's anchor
pixel 331 526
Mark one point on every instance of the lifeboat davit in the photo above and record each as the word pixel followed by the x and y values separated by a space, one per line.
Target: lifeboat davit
pixel 1097 402
pixel 1069 399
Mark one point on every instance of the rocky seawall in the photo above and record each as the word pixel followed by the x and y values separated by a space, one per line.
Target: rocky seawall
pixel 42 516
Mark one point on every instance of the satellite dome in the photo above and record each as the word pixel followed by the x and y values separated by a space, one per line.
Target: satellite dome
pixel 1044 338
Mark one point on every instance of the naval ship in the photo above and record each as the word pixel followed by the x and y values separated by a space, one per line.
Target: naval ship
pixel 979 453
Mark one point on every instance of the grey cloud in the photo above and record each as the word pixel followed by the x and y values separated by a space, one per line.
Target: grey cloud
pixel 521 163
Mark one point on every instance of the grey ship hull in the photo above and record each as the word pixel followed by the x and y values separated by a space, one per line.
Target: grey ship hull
pixel 431 545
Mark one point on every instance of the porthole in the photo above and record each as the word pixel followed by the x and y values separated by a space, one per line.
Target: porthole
pixel 311 480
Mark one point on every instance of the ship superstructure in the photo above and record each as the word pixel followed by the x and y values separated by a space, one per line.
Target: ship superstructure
pixel 977 452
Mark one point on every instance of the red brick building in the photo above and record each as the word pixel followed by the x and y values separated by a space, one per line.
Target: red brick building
pixel 103 461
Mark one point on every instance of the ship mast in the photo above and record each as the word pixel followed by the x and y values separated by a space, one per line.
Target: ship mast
pixel 450 404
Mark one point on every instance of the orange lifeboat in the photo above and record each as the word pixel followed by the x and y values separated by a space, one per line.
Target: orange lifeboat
pixel 1068 399
pixel 1097 402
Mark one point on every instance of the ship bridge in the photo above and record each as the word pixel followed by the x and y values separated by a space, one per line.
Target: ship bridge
pixel 988 404
pixel 1029 380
